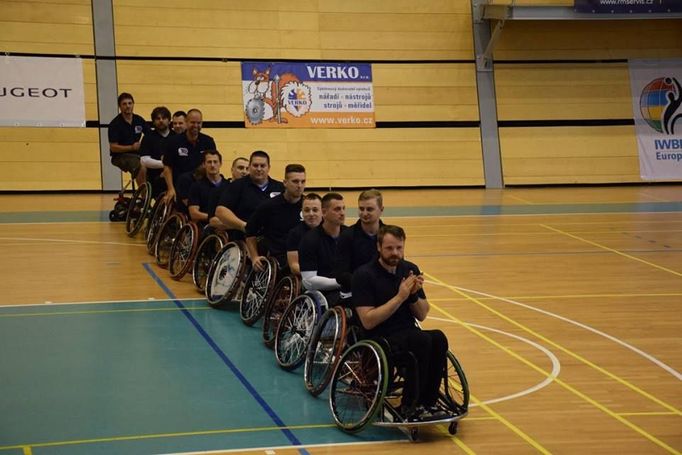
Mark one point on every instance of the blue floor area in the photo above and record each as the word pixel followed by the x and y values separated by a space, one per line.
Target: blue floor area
pixel 462 210
pixel 141 377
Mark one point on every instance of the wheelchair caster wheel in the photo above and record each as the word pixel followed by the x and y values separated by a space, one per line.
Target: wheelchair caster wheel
pixel 452 429
pixel 112 216
pixel 413 434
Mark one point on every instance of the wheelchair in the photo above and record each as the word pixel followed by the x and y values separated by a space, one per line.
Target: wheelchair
pixel 183 250
pixel 160 213
pixel 296 328
pixel 367 385
pixel 206 253
pixel 257 291
pixel 283 294
pixel 226 275
pixel 138 209
pixel 121 203
pixel 166 237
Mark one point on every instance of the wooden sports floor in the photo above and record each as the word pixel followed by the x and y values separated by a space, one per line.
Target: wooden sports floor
pixel 564 306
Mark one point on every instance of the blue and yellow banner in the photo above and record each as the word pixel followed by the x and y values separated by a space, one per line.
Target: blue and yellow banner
pixel 627 6
pixel 307 95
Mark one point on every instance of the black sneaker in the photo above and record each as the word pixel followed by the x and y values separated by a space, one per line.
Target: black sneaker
pixel 437 413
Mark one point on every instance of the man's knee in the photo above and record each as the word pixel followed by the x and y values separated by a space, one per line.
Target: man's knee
pixel 439 341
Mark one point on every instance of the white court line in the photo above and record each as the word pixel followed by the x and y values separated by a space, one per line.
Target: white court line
pixel 38 223
pixel 484 215
pixel 289 447
pixel 556 365
pixel 89 242
pixel 634 349
pixel 150 299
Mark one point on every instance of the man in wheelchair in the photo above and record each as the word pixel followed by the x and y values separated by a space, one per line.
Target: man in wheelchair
pixel 388 297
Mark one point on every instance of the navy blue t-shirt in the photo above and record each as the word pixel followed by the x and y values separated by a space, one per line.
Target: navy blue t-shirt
pixel 124 133
pixel 273 219
pixel 318 251
pixel 184 156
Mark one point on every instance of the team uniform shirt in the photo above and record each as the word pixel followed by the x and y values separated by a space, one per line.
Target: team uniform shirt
pixel 152 145
pixel 356 248
pixel 373 286
pixel 273 219
pixel 318 251
pixel 183 156
pixel 201 193
pixel 216 195
pixel 296 235
pixel 124 133
pixel 243 196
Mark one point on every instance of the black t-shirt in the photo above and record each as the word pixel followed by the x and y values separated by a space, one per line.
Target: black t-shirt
pixel 296 235
pixel 317 252
pixel 152 145
pixel 124 133
pixel 183 156
pixel 356 248
pixel 216 195
pixel 242 196
pixel 273 219
pixel 201 193
pixel 373 286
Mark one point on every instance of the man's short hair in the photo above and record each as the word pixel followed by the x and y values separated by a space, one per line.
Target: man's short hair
pixel 395 231
pixel 180 114
pixel 212 152
pixel 194 109
pixel 312 197
pixel 234 161
pixel 125 96
pixel 327 198
pixel 261 154
pixel 293 168
pixel 161 111
pixel 372 194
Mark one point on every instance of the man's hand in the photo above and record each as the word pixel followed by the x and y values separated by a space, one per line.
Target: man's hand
pixel 136 146
pixel 259 263
pixel 418 283
pixel 170 195
pixel 406 286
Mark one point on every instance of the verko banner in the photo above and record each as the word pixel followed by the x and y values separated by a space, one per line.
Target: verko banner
pixel 41 92
pixel 627 6
pixel 307 95
pixel 657 105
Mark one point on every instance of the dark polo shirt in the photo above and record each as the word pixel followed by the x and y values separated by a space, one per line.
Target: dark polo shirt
pixel 273 219
pixel 356 248
pixel 152 145
pixel 124 133
pixel 373 286
pixel 201 193
pixel 243 196
pixel 295 236
pixel 318 251
pixel 183 156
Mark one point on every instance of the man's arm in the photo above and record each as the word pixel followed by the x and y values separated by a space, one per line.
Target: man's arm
pixel 168 178
pixel 115 147
pixel 229 219
pixel 292 260
pixel 372 316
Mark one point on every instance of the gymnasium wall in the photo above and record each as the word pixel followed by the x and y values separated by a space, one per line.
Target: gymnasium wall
pixel 424 86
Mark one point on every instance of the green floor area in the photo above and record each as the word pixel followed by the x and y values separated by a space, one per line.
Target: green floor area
pixel 147 377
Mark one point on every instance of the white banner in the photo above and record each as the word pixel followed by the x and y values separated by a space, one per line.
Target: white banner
pixel 657 106
pixel 41 91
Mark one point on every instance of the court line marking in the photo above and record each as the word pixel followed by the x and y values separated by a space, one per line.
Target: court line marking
pixel 646 413
pixel 598 245
pixel 559 381
pixel 676 374
pixel 556 365
pixel 168 435
pixel 27 450
pixel 307 446
pixel 96 302
pixel 87 242
pixel 568 223
pixel 618 232
pixel 127 310
pixel 559 296
pixel 226 360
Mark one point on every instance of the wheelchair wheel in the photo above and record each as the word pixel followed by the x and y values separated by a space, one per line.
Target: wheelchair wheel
pixel 225 274
pixel 284 292
pixel 257 290
pixel 183 250
pixel 208 248
pixel 453 395
pixel 162 210
pixel 138 209
pixel 324 350
pixel 294 331
pixel 167 235
pixel 358 386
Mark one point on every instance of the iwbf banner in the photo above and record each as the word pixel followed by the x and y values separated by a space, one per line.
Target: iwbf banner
pixel 41 92
pixel 657 106
pixel 307 95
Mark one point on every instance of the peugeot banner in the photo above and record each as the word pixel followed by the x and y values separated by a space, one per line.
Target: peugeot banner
pixel 41 92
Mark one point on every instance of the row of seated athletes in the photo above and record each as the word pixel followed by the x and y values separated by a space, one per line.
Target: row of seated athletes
pixel 356 266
